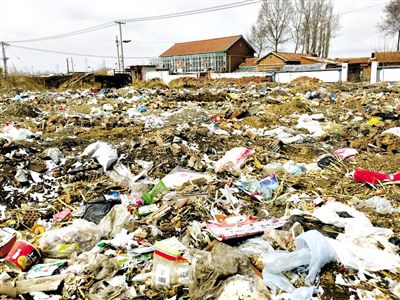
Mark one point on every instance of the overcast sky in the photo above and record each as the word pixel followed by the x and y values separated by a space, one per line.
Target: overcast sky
pixel 25 19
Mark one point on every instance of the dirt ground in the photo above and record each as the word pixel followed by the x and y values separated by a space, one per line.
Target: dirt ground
pixel 170 127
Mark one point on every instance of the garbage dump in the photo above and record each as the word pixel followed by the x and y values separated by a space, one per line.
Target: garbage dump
pixel 204 189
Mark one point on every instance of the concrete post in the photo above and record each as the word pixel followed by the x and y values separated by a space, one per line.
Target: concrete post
pixel 374 72
pixel 345 72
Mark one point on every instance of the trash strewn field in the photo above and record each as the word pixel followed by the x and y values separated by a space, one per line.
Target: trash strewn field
pixel 209 190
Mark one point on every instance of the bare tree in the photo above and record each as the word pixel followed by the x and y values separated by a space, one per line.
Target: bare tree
pixel 314 27
pixel 297 22
pixel 311 25
pixel 391 21
pixel 257 39
pixel 274 19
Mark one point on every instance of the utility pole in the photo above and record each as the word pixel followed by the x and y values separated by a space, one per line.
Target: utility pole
pixel 119 62
pixel 5 58
pixel 121 44
pixel 67 66
pixel 72 65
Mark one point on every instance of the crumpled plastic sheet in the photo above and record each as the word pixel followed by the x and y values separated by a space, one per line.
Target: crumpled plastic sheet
pixel 357 246
pixel 233 160
pixel 104 153
pixel 211 270
pixel 312 250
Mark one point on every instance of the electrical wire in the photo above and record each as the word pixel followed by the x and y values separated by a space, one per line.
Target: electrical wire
pixel 64 35
pixel 77 54
pixel 192 12
pixel 142 19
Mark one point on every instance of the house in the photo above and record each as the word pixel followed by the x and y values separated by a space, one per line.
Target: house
pixel 359 68
pixel 249 65
pixel 278 60
pixel 138 72
pixel 217 55
pixel 386 58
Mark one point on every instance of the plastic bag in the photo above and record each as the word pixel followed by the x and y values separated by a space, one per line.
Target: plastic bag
pixel 281 261
pixel 310 123
pixel 346 152
pixel 312 249
pixel 277 282
pixel 233 160
pixel 211 270
pixel 155 194
pixel 381 205
pixel 180 177
pixel 394 130
pixel 283 238
pixel 54 154
pixel 116 220
pixel 303 293
pixel 243 287
pixel 95 211
pixel 330 214
pixel 78 237
pixel 13 134
pixel 373 177
pixel 103 153
pixel 293 168
pixel 255 246
pixel 260 189
pixel 321 252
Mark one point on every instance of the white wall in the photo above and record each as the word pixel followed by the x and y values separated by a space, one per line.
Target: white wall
pixel 374 72
pixel 324 75
pixel 165 76
pixel 239 74
pixel 329 75
pixel 392 74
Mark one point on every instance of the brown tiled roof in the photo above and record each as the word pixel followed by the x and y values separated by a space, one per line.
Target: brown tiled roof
pixel 386 57
pixel 298 57
pixel 203 46
pixel 354 60
pixel 290 56
pixel 249 62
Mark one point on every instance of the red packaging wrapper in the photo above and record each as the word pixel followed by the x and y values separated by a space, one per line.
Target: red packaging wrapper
pixel 372 177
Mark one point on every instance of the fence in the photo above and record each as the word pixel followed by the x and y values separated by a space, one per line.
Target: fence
pixel 384 73
pixel 327 75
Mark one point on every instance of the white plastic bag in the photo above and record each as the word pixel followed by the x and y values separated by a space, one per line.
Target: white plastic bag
pixel 312 249
pixel 78 237
pixel 394 130
pixel 233 160
pixel 303 293
pixel 103 153
pixel 180 177
pixel 381 205
pixel 13 134
pixel 310 123
pixel 281 261
pixel 321 252
pixel 277 282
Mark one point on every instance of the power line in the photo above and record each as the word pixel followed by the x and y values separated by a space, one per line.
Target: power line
pixel 142 19
pixel 193 12
pixel 64 35
pixel 76 54
pixel 358 9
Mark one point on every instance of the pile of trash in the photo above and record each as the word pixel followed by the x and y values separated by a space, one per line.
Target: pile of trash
pixel 232 190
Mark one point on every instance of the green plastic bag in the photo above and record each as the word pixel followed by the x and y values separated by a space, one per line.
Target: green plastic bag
pixel 156 193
